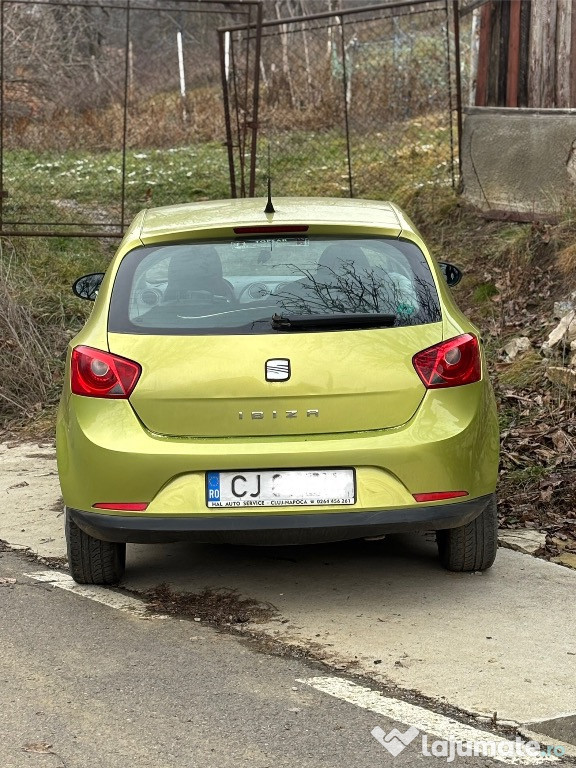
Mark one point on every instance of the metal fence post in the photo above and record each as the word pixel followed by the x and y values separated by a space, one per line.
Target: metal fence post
pixel 255 99
pixel 345 95
pixel 457 64
pixel 226 99
pixel 125 116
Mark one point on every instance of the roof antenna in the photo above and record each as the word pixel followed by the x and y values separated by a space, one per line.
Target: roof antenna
pixel 269 206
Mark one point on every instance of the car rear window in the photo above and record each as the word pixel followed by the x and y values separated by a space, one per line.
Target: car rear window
pixel 237 286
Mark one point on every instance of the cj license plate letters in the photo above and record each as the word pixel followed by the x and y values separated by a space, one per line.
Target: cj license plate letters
pixel 269 488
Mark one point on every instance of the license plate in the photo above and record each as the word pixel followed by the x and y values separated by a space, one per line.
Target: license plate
pixel 278 488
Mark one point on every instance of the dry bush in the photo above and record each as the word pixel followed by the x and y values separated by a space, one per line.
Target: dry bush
pixel 28 348
pixel 156 121
pixel 567 260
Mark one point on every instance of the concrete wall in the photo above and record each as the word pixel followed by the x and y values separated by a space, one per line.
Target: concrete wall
pixel 520 160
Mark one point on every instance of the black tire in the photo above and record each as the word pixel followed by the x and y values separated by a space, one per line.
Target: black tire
pixel 92 561
pixel 471 547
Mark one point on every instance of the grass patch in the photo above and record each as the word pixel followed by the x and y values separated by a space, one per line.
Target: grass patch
pixel 526 372
pixel 393 164
pixel 86 186
pixel 484 292
pixel 524 477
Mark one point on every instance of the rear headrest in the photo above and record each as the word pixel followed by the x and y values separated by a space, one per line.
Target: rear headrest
pixel 340 257
pixel 194 264
pixel 194 269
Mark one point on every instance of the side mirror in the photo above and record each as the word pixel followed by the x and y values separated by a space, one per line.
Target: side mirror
pixel 451 274
pixel 87 287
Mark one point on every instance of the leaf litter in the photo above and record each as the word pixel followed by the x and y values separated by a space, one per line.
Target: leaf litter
pixel 537 485
pixel 517 279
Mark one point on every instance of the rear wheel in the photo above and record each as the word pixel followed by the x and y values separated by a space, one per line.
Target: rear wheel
pixel 93 561
pixel 471 547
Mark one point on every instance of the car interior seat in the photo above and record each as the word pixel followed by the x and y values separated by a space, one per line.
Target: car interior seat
pixel 341 260
pixel 196 269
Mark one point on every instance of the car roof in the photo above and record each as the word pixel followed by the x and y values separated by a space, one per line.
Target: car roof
pixel 219 218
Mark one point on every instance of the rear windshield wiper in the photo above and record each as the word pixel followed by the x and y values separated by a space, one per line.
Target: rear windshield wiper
pixel 339 320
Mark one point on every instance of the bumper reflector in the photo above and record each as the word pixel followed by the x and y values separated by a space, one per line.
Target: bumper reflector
pixel 122 506
pixel 439 495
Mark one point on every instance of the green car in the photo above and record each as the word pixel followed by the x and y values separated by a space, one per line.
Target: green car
pixel 275 374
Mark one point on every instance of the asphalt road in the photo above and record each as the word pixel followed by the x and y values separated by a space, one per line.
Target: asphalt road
pixel 86 686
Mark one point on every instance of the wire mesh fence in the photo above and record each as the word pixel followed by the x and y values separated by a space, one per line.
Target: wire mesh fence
pixel 109 107
pixel 359 102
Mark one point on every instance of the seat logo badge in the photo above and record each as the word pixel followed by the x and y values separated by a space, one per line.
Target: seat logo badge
pixel 278 369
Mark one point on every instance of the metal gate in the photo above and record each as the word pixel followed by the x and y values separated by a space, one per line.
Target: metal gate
pixel 109 106
pixel 361 102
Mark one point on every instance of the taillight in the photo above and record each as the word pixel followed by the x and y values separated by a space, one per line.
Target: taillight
pixel 451 363
pixel 99 374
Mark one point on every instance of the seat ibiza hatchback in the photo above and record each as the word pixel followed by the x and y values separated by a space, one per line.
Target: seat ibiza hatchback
pixel 285 375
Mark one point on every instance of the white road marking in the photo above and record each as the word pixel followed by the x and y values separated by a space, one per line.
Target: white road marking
pixel 445 728
pixel 131 605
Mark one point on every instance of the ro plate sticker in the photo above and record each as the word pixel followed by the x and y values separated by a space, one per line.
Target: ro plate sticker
pixel 213 486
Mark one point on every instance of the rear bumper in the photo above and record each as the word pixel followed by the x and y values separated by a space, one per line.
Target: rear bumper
pixel 105 455
pixel 277 529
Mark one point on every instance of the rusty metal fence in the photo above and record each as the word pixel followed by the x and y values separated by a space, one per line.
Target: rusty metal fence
pixel 108 106
pixel 361 102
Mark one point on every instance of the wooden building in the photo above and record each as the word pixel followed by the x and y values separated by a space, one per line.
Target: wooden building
pixel 526 55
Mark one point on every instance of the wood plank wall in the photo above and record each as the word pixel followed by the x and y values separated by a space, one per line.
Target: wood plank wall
pixel 527 54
